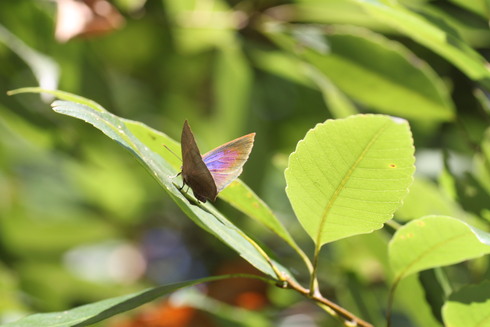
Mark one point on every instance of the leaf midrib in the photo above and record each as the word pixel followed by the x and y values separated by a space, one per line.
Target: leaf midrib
pixel 430 250
pixel 344 181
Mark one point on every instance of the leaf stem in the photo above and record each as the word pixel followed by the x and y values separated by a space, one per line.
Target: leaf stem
pixel 305 258
pixel 393 224
pixel 329 306
pixel 314 288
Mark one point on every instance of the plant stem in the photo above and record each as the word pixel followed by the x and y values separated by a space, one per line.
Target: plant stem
pixel 348 317
pixel 393 224
pixel 305 258
pixel 314 288
pixel 391 296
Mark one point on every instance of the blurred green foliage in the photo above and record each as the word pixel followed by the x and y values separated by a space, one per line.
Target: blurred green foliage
pixel 230 67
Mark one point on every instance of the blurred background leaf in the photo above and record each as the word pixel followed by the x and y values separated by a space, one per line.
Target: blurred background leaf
pixel 75 208
pixel 469 305
pixel 435 241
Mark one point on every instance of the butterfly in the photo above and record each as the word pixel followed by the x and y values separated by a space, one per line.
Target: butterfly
pixel 209 174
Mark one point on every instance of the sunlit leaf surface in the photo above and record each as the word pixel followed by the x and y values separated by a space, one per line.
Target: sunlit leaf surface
pixel 203 215
pixel 435 241
pixel 348 176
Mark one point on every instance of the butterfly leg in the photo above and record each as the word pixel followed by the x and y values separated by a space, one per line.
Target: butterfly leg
pixel 183 182
pixel 172 177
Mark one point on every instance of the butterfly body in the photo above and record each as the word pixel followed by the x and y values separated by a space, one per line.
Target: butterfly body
pixel 209 174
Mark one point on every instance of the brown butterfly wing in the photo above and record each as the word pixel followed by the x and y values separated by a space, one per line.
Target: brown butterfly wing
pixel 194 170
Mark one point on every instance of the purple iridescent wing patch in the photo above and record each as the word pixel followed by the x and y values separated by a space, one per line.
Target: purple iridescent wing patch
pixel 226 161
pixel 207 175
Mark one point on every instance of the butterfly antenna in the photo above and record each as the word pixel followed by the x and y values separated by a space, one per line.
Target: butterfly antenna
pixel 172 152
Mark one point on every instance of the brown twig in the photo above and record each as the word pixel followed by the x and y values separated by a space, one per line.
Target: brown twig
pixel 347 316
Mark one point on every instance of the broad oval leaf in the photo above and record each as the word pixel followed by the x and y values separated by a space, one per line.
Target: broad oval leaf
pixel 469 306
pixel 348 176
pixel 435 241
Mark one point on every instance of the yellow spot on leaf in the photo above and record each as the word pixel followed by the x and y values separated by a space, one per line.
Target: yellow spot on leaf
pixel 406 236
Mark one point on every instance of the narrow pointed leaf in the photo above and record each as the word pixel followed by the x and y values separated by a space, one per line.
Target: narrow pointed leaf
pixel 371 69
pixel 91 313
pixel 435 241
pixel 445 43
pixel 60 95
pixel 44 68
pixel 206 216
pixel 348 176
pixel 237 194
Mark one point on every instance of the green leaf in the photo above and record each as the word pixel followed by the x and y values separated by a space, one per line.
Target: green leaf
pixel 28 237
pixel 237 194
pixel 91 313
pixel 335 12
pixel 200 27
pixel 60 95
pixel 435 241
pixel 418 310
pixel 228 314
pixel 123 193
pixel 472 29
pixel 232 85
pixel 45 69
pixel 436 289
pixel 337 102
pixel 373 70
pixel 348 176
pixel 292 68
pixel 280 63
pixel 446 44
pixel 244 199
pixel 477 7
pixel 482 162
pixel 204 215
pixel 468 306
pixel 425 198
